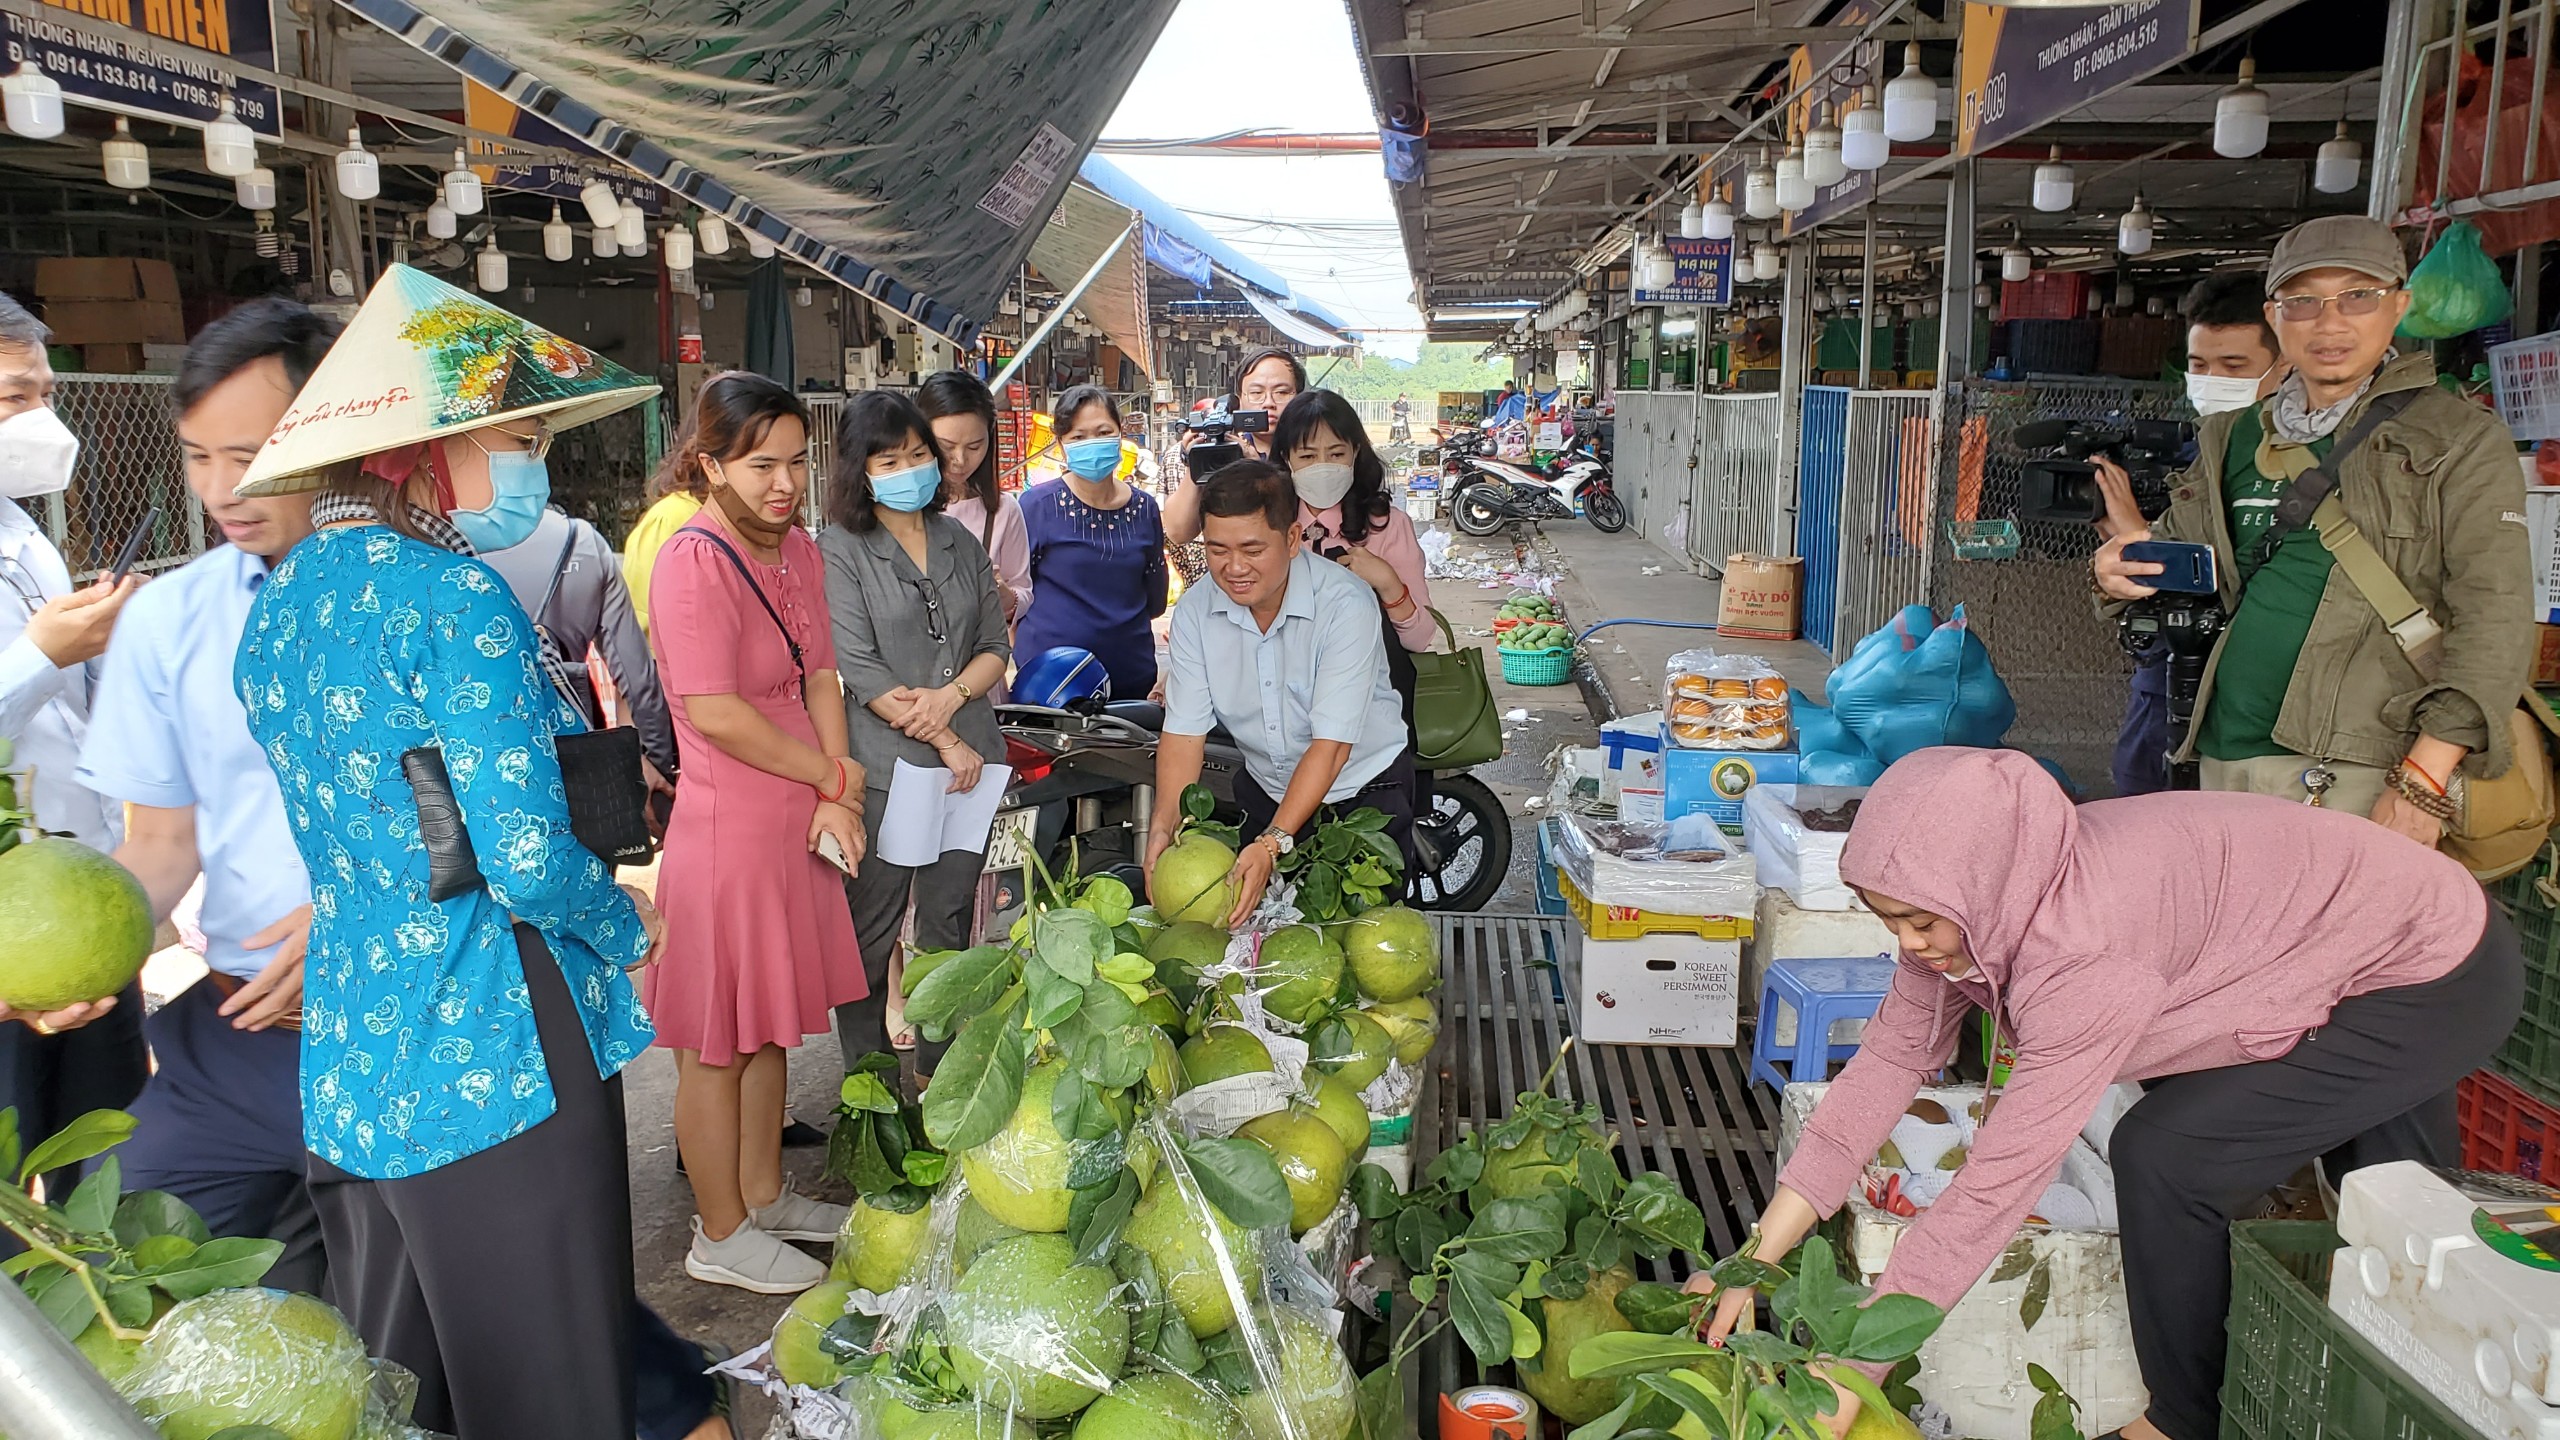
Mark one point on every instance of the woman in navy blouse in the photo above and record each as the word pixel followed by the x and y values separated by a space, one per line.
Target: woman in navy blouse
pixel 1097 552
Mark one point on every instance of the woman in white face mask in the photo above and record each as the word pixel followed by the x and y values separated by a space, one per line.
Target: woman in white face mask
pixel 1344 513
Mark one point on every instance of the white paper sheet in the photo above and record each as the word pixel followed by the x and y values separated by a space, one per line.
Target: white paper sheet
pixel 925 819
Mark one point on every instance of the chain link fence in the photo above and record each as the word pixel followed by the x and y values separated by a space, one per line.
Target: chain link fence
pixel 1887 499
pixel 129 462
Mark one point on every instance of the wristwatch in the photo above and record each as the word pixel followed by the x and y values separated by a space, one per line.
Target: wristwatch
pixel 1281 841
pixel 966 694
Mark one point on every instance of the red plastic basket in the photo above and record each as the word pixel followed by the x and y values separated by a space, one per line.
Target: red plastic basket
pixel 2045 295
pixel 2504 1130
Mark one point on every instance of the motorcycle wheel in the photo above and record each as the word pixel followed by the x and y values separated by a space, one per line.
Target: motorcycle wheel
pixel 1463 843
pixel 1606 512
pixel 1477 514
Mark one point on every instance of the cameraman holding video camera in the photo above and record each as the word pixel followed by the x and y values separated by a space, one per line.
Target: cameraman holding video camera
pixel 2307 694
pixel 1267 381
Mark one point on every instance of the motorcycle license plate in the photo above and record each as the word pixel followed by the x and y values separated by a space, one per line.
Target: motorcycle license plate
pixel 1009 842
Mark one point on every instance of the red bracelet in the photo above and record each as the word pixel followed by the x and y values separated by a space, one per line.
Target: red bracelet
pixel 835 772
pixel 2421 772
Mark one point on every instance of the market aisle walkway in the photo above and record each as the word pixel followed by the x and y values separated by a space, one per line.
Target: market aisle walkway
pixel 1606 579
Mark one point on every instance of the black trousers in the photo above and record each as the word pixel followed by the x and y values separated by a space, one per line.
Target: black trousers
pixel 1391 792
pixel 52 1080
pixel 2372 1085
pixel 504 1279
pixel 945 893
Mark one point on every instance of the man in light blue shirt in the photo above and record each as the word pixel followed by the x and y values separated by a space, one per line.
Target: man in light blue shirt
pixel 1288 652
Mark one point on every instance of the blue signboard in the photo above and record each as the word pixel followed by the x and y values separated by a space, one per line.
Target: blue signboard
pixel 182 78
pixel 1702 274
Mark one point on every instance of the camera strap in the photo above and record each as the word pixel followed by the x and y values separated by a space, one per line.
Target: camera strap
pixel 2294 506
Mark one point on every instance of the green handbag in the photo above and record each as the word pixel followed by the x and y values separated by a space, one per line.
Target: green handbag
pixel 1454 722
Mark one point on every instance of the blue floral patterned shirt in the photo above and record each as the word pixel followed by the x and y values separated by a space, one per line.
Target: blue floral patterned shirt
pixel 418 1043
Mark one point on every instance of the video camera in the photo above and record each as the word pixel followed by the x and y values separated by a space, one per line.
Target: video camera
pixel 2183 628
pixel 2064 486
pixel 1214 451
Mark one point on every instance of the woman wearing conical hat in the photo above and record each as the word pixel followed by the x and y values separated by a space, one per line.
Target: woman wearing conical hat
pixel 459 1055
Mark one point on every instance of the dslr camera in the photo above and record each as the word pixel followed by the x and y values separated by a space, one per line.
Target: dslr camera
pixel 2063 484
pixel 1211 448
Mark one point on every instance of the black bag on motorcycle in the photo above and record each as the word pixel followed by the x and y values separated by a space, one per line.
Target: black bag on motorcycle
pixel 1454 722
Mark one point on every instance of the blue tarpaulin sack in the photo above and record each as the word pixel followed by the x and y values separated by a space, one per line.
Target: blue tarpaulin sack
pixel 1912 684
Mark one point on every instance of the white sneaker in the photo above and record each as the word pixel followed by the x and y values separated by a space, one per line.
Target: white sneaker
pixel 793 1216
pixel 750 1259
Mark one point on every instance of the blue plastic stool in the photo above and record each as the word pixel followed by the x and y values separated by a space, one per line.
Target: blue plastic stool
pixel 1820 992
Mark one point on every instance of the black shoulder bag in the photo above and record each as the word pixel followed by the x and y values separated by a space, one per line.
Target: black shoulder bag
pixel 799 666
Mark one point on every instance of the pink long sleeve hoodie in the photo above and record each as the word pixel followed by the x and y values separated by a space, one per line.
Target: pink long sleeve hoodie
pixel 2118 940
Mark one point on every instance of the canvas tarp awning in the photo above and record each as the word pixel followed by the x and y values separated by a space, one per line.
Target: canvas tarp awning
pixel 1297 327
pixel 1181 246
pixel 1088 223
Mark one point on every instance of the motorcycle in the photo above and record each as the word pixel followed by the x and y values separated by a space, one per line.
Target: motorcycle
pixel 1083 792
pixel 1486 493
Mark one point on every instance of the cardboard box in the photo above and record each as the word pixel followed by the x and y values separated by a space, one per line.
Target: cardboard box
pixel 1634 749
pixel 111 359
pixel 102 279
pixel 2546 656
pixel 1660 990
pixel 1762 597
pixel 1714 781
pixel 116 322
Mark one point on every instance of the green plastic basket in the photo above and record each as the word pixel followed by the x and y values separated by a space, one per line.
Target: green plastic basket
pixel 2294 1369
pixel 1551 666
pixel 2531 1055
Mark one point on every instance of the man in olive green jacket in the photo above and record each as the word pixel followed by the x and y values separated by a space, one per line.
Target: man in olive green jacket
pixel 2307 695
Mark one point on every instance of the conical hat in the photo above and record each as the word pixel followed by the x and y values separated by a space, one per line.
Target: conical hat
pixel 423 359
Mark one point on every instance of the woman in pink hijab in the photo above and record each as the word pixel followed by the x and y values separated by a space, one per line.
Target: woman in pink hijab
pixel 2290 983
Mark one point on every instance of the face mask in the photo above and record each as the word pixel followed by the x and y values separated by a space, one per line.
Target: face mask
pixel 1322 486
pixel 2214 394
pixel 1094 459
pixel 37 452
pixel 909 490
pixel 519 486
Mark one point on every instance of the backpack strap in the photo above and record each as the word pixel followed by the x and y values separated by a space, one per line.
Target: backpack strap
pixel 798 665
pixel 2313 487
pixel 2416 632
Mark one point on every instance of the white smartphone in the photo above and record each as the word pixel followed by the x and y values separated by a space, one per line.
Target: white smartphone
pixel 832 852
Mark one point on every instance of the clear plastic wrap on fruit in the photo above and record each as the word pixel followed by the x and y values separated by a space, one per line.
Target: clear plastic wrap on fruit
pixel 252 1357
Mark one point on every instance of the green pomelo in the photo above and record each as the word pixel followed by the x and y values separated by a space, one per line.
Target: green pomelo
pixel 1569 1323
pixel 1315 1388
pixel 1298 971
pixel 1414 1024
pixel 1020 1173
pixel 1165 1076
pixel 1360 1066
pixel 1222 1052
pixel 798 1356
pixel 1180 952
pixel 1392 953
pixel 251 1357
pixel 1032 1330
pixel 1340 1108
pixel 877 1249
pixel 973 1232
pixel 1159 1010
pixel 1528 1168
pixel 112 1357
pixel 1175 1233
pixel 75 925
pixel 1158 1406
pixel 1312 1161
pixel 1190 881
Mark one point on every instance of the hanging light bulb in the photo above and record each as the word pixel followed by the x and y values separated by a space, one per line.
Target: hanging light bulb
pixel 1795 192
pixel 1840 296
pixel 230 148
pixel 2240 116
pixel 2156 305
pixel 492 266
pixel 2056 185
pixel 1715 218
pixel 1993 314
pixel 1863 145
pixel 1910 101
pixel 1929 308
pixel 2340 160
pixel 1765 261
pixel 128 164
pixel 1760 190
pixel 713 233
pixel 706 298
pixel 1821 303
pixel 256 190
pixel 462 189
pixel 1822 152
pixel 598 197
pixel 804 297
pixel 359 173
pixel 632 229
pixel 441 224
pixel 559 242
pixel 2126 299
pixel 603 243
pixel 32 102
pixel 2135 231
pixel 758 246
pixel 1982 297
pixel 267 242
pixel 1693 221
pixel 341 284
pixel 678 247
pixel 2095 303
pixel 2016 264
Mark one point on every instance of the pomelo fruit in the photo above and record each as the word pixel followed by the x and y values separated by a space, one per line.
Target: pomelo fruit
pixel 1180 952
pixel 1020 1174
pixel 1341 1109
pixel 1414 1024
pixel 973 1232
pixel 1315 1387
pixel 1222 1052
pixel 1568 1323
pixel 799 1357
pixel 1360 1066
pixel 1297 972
pixel 1174 1231
pixel 1159 1010
pixel 1190 881
pixel 1158 1406
pixel 1527 1168
pixel 75 925
pixel 1165 1076
pixel 1392 954
pixel 1034 1331
pixel 251 1357
pixel 877 1248
pixel 112 1357
pixel 1311 1158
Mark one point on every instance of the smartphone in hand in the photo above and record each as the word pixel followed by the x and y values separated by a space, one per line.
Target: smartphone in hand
pixel 833 853
pixel 133 544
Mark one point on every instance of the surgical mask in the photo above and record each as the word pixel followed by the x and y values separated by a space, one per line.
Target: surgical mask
pixel 519 486
pixel 1094 459
pixel 37 452
pixel 2214 394
pixel 908 490
pixel 1321 486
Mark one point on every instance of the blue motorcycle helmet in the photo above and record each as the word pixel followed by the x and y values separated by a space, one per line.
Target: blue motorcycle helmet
pixel 1060 677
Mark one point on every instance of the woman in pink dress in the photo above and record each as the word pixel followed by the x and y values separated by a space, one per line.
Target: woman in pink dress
pixel 760 945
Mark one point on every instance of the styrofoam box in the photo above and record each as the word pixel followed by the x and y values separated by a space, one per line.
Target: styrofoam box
pixel 2542 522
pixel 2475 1328
pixel 1803 862
pixel 1660 990
pixel 1975 1368
pixel 1781 930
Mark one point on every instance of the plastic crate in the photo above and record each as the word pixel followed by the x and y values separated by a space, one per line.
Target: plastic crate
pixel 2045 295
pixel 1550 896
pixel 2504 1130
pixel 2295 1371
pixel 2525 377
pixel 2531 1056
pixel 1627 922
pixel 2053 347
pixel 1551 666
